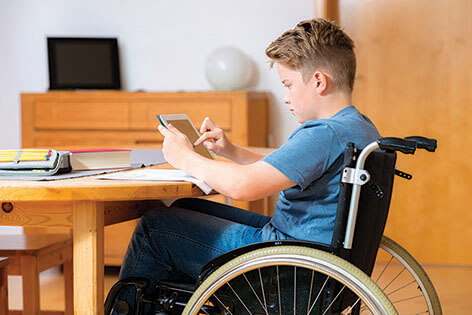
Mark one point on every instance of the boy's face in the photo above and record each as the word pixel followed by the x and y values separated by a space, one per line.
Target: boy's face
pixel 299 95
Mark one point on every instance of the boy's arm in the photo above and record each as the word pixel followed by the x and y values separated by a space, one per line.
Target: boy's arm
pixel 237 181
pixel 243 156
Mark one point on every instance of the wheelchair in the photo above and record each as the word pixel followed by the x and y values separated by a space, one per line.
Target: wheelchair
pixel 304 277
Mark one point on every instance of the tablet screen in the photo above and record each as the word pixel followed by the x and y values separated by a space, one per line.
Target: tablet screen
pixel 185 127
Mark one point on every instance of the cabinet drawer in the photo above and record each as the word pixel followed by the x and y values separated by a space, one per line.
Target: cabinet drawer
pixel 105 138
pixel 143 114
pixel 90 115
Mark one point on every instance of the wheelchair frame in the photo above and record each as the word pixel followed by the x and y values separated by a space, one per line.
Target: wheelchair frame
pixel 355 177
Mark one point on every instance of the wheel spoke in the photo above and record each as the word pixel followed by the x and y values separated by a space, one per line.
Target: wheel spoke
pixel 295 290
pixel 317 297
pixel 247 309
pixel 202 309
pixel 394 278
pixel 337 295
pixel 278 290
pixel 311 290
pixel 262 288
pixel 222 304
pixel 352 306
pixel 400 288
pixel 385 268
pixel 407 299
pixel 257 297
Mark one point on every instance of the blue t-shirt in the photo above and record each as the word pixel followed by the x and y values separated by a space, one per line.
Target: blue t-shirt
pixel 310 158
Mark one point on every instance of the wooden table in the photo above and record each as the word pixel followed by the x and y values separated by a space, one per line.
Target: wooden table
pixel 86 205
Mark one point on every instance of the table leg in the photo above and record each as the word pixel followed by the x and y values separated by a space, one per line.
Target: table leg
pixel 88 257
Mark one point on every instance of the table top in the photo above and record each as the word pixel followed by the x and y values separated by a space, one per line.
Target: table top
pixel 94 189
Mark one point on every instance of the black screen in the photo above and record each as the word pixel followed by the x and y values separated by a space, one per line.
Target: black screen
pixel 83 63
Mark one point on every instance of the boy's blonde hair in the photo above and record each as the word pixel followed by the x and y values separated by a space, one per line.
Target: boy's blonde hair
pixel 313 45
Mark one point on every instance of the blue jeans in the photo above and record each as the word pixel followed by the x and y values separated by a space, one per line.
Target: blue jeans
pixel 174 243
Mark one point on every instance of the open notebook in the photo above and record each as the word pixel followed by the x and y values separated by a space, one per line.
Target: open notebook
pixel 159 175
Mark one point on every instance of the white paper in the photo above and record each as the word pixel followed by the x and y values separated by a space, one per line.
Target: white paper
pixel 159 175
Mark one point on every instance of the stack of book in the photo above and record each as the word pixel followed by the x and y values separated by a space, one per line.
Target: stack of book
pixel 27 162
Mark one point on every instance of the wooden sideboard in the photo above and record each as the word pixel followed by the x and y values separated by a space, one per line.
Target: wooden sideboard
pixel 128 119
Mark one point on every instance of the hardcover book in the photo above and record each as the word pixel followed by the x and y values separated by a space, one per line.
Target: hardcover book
pixel 96 159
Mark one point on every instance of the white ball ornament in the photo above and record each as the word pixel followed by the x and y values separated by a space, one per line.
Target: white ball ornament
pixel 228 68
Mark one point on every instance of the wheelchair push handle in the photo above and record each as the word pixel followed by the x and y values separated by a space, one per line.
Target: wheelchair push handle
pixel 424 143
pixel 397 144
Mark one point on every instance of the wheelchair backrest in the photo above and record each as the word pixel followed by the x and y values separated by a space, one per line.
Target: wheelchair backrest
pixel 373 208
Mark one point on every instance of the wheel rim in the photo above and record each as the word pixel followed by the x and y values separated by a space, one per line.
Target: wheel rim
pixel 404 281
pixel 301 264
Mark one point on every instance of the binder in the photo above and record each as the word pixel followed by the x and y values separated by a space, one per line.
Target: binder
pixel 34 162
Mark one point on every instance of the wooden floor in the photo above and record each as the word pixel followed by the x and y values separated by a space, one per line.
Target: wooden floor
pixel 454 287
pixel 453 284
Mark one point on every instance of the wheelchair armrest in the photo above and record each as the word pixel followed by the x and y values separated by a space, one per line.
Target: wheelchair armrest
pixel 217 262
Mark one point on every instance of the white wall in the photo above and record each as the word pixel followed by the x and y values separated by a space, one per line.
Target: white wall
pixel 163 45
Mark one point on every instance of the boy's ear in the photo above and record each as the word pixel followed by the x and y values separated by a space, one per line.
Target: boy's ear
pixel 320 81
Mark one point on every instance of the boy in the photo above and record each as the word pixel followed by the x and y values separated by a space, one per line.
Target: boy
pixel 316 64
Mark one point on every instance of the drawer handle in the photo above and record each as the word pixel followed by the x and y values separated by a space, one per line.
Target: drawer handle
pixel 7 207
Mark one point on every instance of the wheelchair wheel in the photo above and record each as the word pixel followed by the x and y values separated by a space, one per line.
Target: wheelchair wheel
pixel 288 280
pixel 404 281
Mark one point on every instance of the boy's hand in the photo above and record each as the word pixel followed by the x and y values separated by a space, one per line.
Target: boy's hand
pixel 214 138
pixel 176 145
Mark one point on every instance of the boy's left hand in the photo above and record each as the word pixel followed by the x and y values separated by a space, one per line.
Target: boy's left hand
pixel 176 145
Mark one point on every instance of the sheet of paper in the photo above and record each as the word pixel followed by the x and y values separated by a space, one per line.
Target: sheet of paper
pixel 159 175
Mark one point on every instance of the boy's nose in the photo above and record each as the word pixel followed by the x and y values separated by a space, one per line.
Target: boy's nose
pixel 286 99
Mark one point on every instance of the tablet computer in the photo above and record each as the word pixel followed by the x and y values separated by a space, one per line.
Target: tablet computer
pixel 184 125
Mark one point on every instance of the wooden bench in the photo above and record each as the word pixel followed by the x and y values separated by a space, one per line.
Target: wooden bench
pixel 3 286
pixel 29 255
